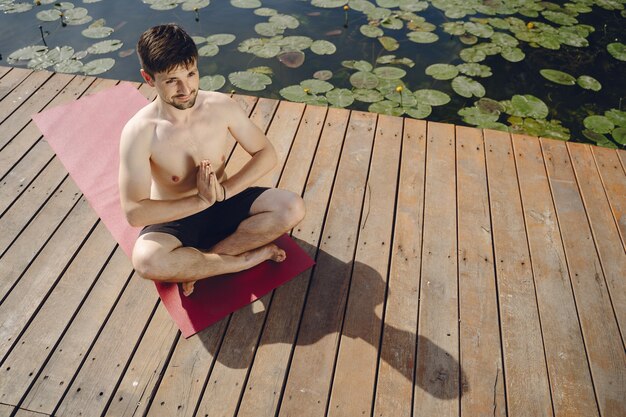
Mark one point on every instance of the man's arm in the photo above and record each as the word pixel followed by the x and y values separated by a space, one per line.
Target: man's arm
pixel 253 141
pixel 135 180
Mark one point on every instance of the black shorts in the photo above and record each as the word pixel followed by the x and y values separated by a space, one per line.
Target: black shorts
pixel 210 226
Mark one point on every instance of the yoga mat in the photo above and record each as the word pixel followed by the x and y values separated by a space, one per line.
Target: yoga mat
pixel 85 136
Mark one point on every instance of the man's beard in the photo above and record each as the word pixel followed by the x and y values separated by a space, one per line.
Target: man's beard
pixel 187 104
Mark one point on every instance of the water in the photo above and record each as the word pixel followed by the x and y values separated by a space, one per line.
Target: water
pixel 568 104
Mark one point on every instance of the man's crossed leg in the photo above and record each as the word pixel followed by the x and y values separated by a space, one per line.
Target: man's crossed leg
pixel 162 257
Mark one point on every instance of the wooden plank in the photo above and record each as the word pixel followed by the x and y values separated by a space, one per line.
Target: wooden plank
pixel 527 387
pixel 42 275
pixel 622 157
pixel 605 349
pixel 572 388
pixel 269 370
pixel 355 372
pixel 104 364
pixel 11 80
pixel 32 348
pixel 227 378
pixel 482 383
pixel 27 413
pixel 310 376
pixel 40 98
pixel 20 94
pixel 394 387
pixel 603 227
pixel 19 214
pixel 437 367
pixel 35 236
pixel 30 136
pixel 136 390
pixel 614 180
pixel 69 352
pixel 6 410
pixel 4 70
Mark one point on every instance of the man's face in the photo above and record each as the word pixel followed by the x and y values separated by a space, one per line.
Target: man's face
pixel 179 86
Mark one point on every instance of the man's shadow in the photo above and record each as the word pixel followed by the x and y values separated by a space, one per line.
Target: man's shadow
pixel 439 375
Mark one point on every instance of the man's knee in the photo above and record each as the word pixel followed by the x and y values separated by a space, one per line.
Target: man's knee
pixel 149 261
pixel 292 211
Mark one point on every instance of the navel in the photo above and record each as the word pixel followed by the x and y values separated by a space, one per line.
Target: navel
pixel 175 178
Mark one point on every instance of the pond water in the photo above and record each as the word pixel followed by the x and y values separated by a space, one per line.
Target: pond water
pixel 554 69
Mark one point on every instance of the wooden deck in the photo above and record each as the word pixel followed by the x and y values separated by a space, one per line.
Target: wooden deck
pixel 459 272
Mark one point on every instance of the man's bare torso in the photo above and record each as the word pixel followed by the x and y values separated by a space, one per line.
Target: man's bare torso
pixel 177 148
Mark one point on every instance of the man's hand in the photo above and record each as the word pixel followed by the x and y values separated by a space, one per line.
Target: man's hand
pixel 209 188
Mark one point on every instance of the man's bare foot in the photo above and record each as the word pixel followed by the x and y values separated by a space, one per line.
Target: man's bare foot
pixel 188 288
pixel 268 252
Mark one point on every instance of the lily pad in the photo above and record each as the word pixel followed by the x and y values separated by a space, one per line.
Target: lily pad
pixel 371 31
pixel 249 81
pixel 317 86
pixel 322 47
pixel 364 80
pixel 268 29
pixel 105 46
pixel 478 29
pixel 265 12
pixel 386 107
pixel 589 83
pixel 389 73
pixel 618 50
pixel 98 32
pixel 294 93
pixel 467 87
pixel 404 98
pixel 389 43
pixel 291 59
pixel 528 106
pixel 421 111
pixel 423 37
pixel 475 70
pixel 329 3
pixel 51 57
pixel 246 4
pixel 616 116
pixel 432 97
pixel 285 21
pixel 358 65
pixel 70 66
pixel 512 54
pixel 49 15
pixel 619 135
pixel 98 66
pixel 475 116
pixel 442 71
pixel 323 75
pixel 367 96
pixel 391 59
pixel 340 97
pixel 192 5
pixel 212 82
pixel 298 43
pixel 28 53
pixel 262 70
pixel 472 55
pixel 221 39
pixel 558 77
pixel 209 50
pixel 598 124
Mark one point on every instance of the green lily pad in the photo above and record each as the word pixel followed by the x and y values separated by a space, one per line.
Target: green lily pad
pixel 362 79
pixel 421 111
pixel 49 15
pixel 392 23
pixel 442 71
pixel 268 29
pixel 28 53
pixel 432 97
pixel 589 83
pixel 323 75
pixel 389 73
pixel 329 3
pixel 487 105
pixel 294 93
pixel 389 43
pixel 192 5
pixel 358 65
pixel 285 21
pixel 423 37
pixel 367 96
pixel 616 116
pixel 475 116
pixel 504 39
pixel 262 70
pixel 212 82
pixel 70 66
pixel 76 13
pixel 164 5
pixel 246 4
pixel 98 32
pixel 472 55
pixel 598 139
pixel 454 28
pixel 340 97
pixel 468 39
pixel 619 135
pixel 559 18
pixel 360 5
pixel 386 107
pixel 104 47
pixel 479 29
pixel 528 106
pixel 391 59
pixel 371 31
pixel 221 39
pixel 249 81
pixel 51 57
pixel 475 70
pixel 467 87
pixel 618 50
pixel 317 86
pixel 598 124
pixel 512 54
pixel 404 98
pixel 323 47
pixel 209 50
pixel 558 77
pixel 298 43
pixel 15 7
pixel 98 66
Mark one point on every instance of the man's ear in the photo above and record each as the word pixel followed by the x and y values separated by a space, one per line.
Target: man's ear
pixel 147 78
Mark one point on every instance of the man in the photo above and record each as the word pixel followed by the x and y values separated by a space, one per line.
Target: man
pixel 197 222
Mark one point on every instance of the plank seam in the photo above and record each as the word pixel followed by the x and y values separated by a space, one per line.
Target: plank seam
pixel 495 275
pixel 16 87
pixel 312 275
pixel 532 270
pixel 458 283
pixel 569 274
pixel 386 292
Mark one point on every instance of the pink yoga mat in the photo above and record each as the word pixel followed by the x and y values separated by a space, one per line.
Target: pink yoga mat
pixel 85 136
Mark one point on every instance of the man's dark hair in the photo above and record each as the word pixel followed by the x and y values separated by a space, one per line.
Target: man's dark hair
pixel 164 47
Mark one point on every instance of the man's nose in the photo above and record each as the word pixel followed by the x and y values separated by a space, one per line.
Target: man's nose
pixel 183 88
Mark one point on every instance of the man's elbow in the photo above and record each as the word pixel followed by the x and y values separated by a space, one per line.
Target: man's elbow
pixel 133 219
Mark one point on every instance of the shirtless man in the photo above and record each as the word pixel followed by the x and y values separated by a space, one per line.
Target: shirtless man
pixel 197 222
